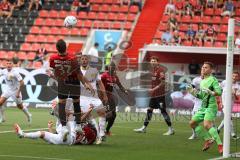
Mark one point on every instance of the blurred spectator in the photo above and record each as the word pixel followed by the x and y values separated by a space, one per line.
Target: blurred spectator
pixel 6 9
pixel 136 3
pixel 15 60
pixel 198 9
pixel 41 52
pixel 24 63
pixel 170 8
pixel 125 2
pixel 188 8
pixel 237 41
pixel 75 5
pixel 210 3
pixel 166 37
pixel 181 71
pixel 219 3
pixel 94 55
pixel 190 34
pixel 34 3
pixel 228 8
pixel 179 7
pixel 196 42
pixel 193 67
pixel 20 4
pixel 176 39
pixel 108 56
pixel 83 5
pixel 210 33
pixel 172 22
pixel 200 33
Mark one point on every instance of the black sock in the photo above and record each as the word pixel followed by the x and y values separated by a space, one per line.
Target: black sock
pixel 166 117
pixel 148 117
pixel 77 112
pixel 110 121
pixel 62 113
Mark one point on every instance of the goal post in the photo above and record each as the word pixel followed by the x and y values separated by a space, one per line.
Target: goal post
pixel 228 102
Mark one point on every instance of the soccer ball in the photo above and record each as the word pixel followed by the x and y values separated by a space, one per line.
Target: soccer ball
pixel 70 21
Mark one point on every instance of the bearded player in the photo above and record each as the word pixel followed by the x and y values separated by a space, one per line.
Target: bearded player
pixel 87 100
pixel 66 70
pixel 14 84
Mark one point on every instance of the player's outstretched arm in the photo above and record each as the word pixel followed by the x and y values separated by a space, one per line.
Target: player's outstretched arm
pixel 103 91
pixel 87 114
pixel 86 83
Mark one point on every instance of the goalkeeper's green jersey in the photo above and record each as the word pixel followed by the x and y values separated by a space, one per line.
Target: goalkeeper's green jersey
pixel 208 100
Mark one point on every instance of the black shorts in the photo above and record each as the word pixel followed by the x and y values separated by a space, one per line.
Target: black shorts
pixel 155 102
pixel 69 90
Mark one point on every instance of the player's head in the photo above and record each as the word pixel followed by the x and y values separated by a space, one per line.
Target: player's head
pixel 96 45
pixel 61 47
pixel 9 64
pixel 207 68
pixel 235 76
pixel 154 60
pixel 112 68
pixel 84 60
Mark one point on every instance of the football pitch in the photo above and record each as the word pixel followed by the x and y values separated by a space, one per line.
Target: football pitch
pixel 124 144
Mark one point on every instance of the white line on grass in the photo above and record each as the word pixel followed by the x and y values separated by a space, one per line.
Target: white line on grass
pixel 31 157
pixel 36 129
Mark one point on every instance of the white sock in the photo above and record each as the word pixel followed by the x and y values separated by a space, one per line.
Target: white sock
pixel 94 122
pixel 1 114
pixel 26 112
pixel 232 129
pixel 170 128
pixel 193 132
pixel 33 135
pixel 221 125
pixel 102 122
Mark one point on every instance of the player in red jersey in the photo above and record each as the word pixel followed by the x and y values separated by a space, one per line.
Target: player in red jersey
pixel 157 100
pixel 66 70
pixel 110 79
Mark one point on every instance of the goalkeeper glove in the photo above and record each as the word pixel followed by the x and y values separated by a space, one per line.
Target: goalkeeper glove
pixel 208 91
pixel 191 90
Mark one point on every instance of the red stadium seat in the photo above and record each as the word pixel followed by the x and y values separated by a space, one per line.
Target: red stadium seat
pixel 121 17
pixel 217 11
pixel 30 38
pixel 51 38
pixel 216 27
pixel 55 31
pixel 50 22
pixel 158 34
pixel 37 64
pixel 186 19
pixel 223 28
pixel 133 9
pixel 26 47
pixel 183 27
pixel 31 56
pixel 128 26
pixel 131 17
pixel 43 14
pixel 63 14
pixel 115 8
pixel 35 30
pixel 39 22
pixel 162 27
pixel 207 44
pixel 22 55
pixel 75 32
pixel 97 24
pixel 221 37
pixel 10 54
pixel 206 19
pixel 53 14
pixel 182 35
pixel 187 43
pixel 79 24
pixel 165 18
pixel 123 8
pixel 116 2
pixel 72 13
pixel 3 54
pixel 216 19
pixel 92 15
pixel 88 24
pixel 218 44
pixel 196 19
pixel 208 12
pixel 101 16
pixel 82 15
pixel 59 22
pixel 40 39
pixel 195 27
pixel 106 25
pixel 45 30
pixel 237 13
pixel 109 1
pixel 104 8
pixel 95 7
pixel 64 31
pixel 117 25
pixel 111 16
pixel 35 46
pixel 84 32
pixel 49 47
pixel 225 20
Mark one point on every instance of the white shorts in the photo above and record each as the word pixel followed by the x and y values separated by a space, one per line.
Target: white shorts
pixel 85 103
pixel 197 105
pixel 12 94
pixel 58 138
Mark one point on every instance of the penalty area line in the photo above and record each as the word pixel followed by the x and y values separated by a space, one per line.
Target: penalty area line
pixel 32 157
pixel 35 129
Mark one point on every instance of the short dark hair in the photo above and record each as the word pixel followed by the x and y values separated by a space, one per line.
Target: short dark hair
pixel 61 46
pixel 235 72
pixel 155 58
pixel 210 64
pixel 96 44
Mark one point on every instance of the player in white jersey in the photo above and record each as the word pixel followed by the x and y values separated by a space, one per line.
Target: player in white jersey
pixel 197 102
pixel 87 100
pixel 71 137
pixel 235 93
pixel 14 84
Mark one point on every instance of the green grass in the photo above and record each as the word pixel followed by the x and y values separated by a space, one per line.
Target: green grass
pixel 123 145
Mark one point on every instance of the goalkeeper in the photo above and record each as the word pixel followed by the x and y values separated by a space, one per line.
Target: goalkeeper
pixel 209 89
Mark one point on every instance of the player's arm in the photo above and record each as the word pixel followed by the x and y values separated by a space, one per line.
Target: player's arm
pixel 120 85
pixel 103 91
pixel 87 114
pixel 85 82
pixel 216 89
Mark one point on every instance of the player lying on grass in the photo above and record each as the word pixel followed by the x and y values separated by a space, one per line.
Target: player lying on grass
pixel 209 89
pixel 14 84
pixel 72 137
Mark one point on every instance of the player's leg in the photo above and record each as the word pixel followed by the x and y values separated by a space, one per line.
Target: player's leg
pixel 111 115
pixel 196 107
pixel 166 116
pixel 77 112
pixel 30 135
pixel 2 101
pixel 209 118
